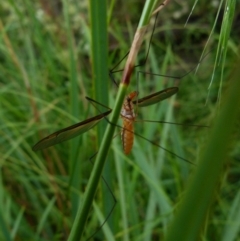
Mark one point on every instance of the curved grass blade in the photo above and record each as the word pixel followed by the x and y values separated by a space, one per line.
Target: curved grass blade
pixel 69 132
pixel 156 97
pixel 204 182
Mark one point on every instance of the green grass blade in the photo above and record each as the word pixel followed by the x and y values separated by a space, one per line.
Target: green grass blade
pixel 195 205
pixel 74 165
pixel 99 56
pixel 229 12
pixel 44 217
pixel 232 227
pixel 4 231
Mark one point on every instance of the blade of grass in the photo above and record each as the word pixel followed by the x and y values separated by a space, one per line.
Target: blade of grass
pixel 99 56
pixel 4 231
pixel 75 110
pixel 195 205
pixel 231 229
pixel 123 200
pixel 226 28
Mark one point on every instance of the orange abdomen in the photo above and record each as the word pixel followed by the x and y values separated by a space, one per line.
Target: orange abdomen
pixel 128 116
pixel 127 135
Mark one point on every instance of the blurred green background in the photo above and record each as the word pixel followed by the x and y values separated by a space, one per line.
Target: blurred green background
pixel 45 74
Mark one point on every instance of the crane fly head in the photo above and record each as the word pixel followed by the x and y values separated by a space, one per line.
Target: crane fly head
pixel 132 95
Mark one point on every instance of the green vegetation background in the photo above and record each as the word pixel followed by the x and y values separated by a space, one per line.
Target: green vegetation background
pixel 45 74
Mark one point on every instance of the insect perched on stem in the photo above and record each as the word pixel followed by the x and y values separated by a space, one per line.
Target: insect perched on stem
pixel 127 115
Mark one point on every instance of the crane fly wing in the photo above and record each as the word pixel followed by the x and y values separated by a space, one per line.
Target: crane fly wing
pixel 69 132
pixel 156 97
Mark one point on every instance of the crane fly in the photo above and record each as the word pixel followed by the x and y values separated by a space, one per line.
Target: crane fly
pixel 127 115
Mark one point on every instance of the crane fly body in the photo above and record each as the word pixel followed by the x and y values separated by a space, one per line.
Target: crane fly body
pixel 127 114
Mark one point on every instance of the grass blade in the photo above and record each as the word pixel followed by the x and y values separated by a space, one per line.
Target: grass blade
pixel 195 205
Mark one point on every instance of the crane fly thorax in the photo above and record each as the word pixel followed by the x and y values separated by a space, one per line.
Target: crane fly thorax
pixel 127 108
